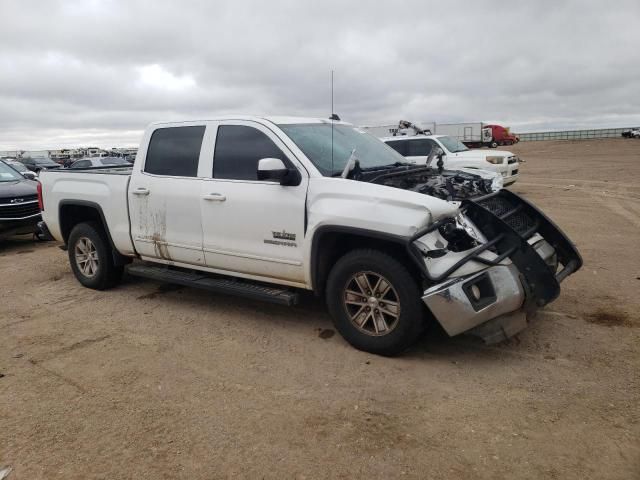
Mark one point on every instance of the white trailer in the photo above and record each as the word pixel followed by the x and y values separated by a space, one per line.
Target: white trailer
pixel 469 132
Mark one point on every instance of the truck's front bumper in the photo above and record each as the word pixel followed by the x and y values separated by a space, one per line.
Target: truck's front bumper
pixel 465 303
pixel 533 257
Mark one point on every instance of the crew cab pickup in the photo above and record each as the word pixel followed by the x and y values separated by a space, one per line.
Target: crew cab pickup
pixel 264 207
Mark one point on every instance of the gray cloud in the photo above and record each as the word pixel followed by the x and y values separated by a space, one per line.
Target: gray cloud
pixel 80 72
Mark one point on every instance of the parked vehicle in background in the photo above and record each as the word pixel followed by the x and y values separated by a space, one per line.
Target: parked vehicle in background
pixel 260 207
pixel 457 156
pixel 633 133
pixel 21 168
pixel 38 164
pixel 472 134
pixel 469 133
pixel 499 136
pixel 99 162
pixel 19 210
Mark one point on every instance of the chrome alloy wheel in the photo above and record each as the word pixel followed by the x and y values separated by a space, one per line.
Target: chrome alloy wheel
pixel 86 257
pixel 372 303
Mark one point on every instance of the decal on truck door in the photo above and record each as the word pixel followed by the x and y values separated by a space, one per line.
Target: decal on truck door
pixel 282 238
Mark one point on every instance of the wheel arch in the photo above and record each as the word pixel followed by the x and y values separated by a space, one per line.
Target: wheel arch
pixel 73 212
pixel 330 242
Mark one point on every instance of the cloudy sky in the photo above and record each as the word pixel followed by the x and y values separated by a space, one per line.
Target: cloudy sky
pixel 97 71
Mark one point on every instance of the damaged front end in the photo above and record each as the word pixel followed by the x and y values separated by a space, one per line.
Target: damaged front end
pixel 490 268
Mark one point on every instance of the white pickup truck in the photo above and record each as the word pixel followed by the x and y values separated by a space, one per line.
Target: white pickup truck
pixel 264 207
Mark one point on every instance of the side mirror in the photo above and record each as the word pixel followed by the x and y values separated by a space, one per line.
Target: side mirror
pixel 29 175
pixel 274 169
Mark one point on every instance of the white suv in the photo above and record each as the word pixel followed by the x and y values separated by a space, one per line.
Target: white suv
pixel 416 149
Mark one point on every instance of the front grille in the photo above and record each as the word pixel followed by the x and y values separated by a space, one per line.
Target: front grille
pixel 511 214
pixel 19 209
pixel 514 172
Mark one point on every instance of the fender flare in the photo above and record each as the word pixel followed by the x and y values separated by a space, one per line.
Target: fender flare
pixel 118 258
pixel 320 232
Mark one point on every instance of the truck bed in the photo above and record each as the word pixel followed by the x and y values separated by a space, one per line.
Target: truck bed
pixel 105 188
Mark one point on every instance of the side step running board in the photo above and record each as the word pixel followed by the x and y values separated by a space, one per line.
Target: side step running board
pixel 218 284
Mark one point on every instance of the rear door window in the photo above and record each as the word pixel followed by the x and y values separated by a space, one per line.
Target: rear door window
pixel 174 151
pixel 238 150
pixel 418 148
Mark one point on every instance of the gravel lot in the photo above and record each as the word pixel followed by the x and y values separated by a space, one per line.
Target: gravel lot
pixel 153 381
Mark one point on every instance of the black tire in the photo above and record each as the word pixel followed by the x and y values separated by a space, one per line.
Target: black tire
pixel 493 144
pixel 404 329
pixel 106 274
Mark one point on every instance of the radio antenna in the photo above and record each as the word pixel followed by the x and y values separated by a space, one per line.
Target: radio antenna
pixel 332 122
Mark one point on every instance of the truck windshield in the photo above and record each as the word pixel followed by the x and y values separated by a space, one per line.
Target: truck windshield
pixel 314 139
pixel 453 144
pixel 8 174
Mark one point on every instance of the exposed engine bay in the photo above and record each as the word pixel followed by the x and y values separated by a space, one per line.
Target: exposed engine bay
pixel 452 185
pixel 445 184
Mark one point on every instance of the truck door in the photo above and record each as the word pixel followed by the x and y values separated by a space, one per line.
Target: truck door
pixel 164 197
pixel 251 226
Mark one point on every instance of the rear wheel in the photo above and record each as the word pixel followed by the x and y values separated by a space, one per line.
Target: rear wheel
pixel 493 144
pixel 375 302
pixel 91 257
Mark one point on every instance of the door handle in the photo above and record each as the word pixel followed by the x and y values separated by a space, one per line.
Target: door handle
pixel 141 191
pixel 214 197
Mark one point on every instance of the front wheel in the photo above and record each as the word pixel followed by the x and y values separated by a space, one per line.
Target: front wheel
pixel 375 302
pixel 91 257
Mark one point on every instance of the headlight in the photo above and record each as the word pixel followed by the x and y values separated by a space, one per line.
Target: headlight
pixel 497 183
pixel 495 160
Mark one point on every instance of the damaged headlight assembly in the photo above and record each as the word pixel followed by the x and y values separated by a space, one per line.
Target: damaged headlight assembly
pixel 455 234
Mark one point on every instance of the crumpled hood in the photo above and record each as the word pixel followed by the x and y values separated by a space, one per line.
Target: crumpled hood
pixel 369 206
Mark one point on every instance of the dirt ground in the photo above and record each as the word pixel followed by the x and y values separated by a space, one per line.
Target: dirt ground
pixel 152 381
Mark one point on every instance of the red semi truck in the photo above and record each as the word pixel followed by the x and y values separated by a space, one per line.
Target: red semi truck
pixel 501 136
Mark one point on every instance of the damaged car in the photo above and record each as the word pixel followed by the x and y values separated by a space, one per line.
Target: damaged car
pixel 264 207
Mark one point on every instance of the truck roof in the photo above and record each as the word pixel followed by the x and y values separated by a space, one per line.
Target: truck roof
pixel 278 120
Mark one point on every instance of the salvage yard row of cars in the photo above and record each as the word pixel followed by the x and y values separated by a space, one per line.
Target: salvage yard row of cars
pixel 38 164
pixel 264 207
